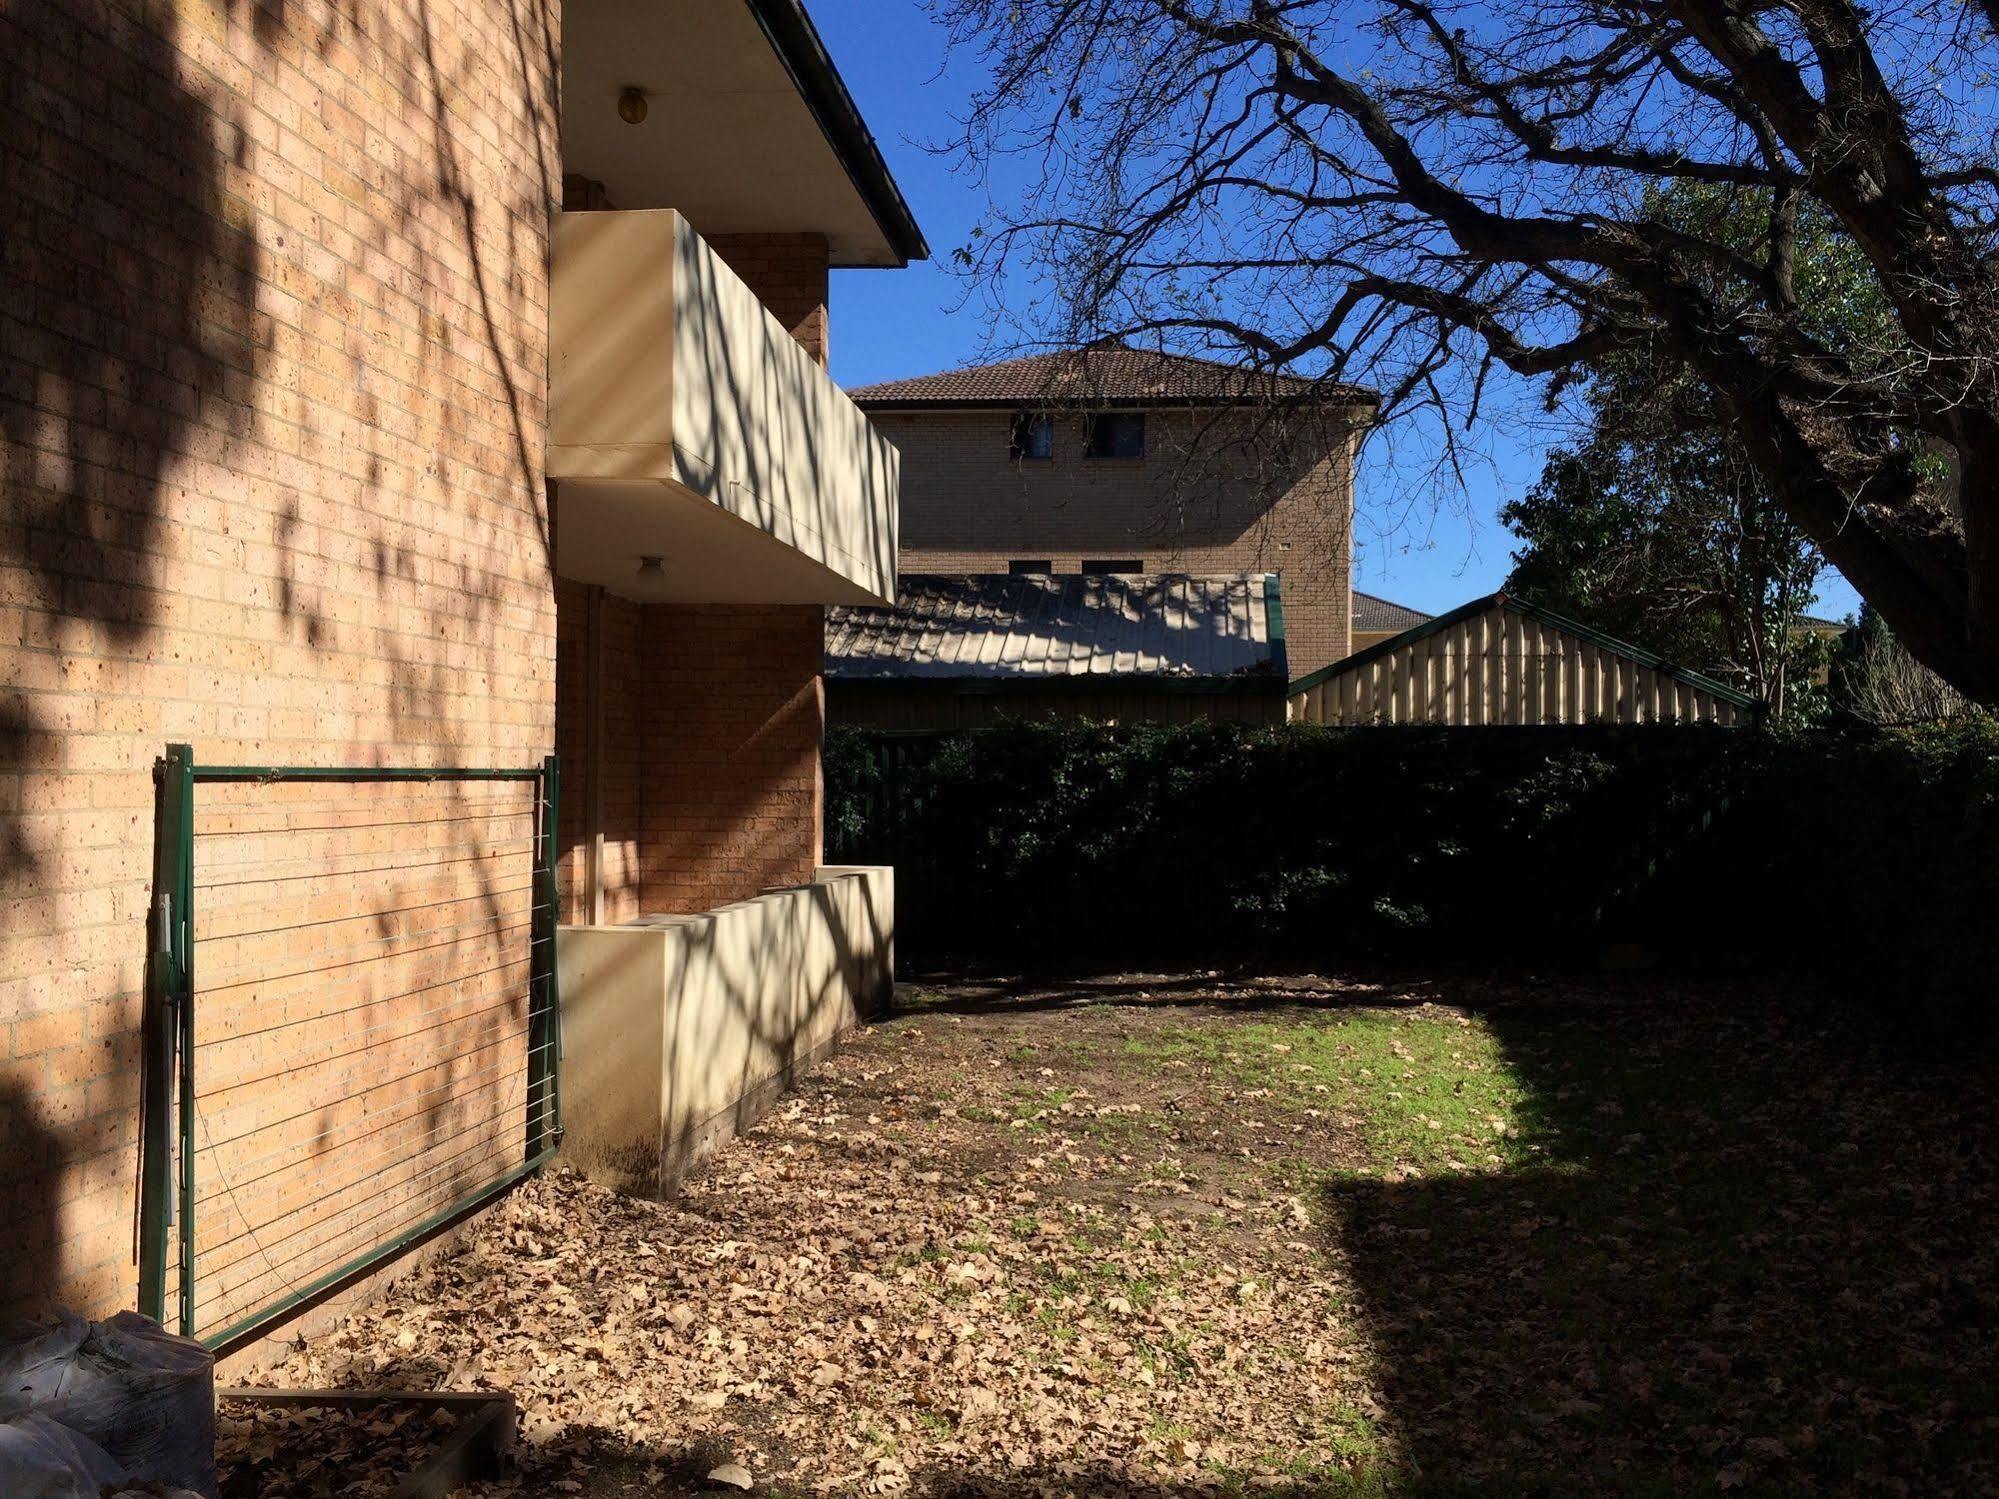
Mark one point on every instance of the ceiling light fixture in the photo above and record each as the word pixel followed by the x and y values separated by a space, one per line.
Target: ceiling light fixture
pixel 651 585
pixel 632 105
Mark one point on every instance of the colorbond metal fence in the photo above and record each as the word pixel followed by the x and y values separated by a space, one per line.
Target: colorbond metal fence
pixel 352 1028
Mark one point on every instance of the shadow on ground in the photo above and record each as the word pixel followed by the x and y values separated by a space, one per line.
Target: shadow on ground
pixel 1756 1252
pixel 1747 1242
pixel 950 993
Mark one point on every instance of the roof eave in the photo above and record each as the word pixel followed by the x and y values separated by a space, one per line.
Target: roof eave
pixel 1242 683
pixel 796 41
pixel 1345 396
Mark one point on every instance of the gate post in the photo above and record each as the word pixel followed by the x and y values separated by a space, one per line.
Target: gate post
pixel 163 1021
pixel 544 1122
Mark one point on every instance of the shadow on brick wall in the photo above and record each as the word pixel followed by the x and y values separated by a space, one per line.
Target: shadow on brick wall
pixel 129 297
pixel 132 357
pixel 128 337
pixel 35 1164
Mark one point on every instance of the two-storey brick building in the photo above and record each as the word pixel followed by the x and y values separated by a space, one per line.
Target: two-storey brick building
pixel 1124 461
pixel 335 450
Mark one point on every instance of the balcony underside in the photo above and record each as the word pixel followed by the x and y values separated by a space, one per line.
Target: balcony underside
pixel 710 556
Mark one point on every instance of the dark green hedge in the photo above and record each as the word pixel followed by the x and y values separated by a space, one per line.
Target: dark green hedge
pixel 1049 845
pixel 1877 852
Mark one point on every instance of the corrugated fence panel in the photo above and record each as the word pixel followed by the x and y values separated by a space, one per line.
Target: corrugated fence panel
pixel 1504 666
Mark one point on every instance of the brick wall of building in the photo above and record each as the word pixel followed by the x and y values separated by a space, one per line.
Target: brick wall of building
pixel 713 716
pixel 272 369
pixel 734 718
pixel 713 719
pixel 1234 505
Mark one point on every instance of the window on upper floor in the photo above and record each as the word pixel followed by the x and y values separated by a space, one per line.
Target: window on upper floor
pixel 1033 436
pixel 1113 565
pixel 1030 565
pixel 1115 434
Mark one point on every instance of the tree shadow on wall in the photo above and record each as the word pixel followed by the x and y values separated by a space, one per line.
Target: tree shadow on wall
pixel 129 304
pixel 134 370
pixel 128 339
pixel 1746 1251
pixel 36 1162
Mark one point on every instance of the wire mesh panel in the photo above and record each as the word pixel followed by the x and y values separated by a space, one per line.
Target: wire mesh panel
pixel 364 1042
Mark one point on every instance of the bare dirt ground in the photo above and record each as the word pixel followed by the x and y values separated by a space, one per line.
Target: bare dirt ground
pixel 1162 1236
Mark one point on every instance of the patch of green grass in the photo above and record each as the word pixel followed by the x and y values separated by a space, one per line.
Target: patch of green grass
pixel 1430 1086
pixel 869 1427
pixel 1179 1044
pixel 1141 1290
pixel 1053 1321
pixel 1170 1357
pixel 1352 1433
pixel 1111 1127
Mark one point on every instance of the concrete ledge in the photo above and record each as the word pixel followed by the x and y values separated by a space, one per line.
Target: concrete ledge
pixel 678 1031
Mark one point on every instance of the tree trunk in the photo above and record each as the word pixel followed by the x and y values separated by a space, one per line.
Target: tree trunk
pixel 1978 510
pixel 1900 552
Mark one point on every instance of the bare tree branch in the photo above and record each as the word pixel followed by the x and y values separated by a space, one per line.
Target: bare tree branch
pixel 1421 193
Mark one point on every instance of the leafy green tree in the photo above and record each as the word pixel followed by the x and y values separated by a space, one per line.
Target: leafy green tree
pixel 1715 580
pixel 1656 529
pixel 1656 524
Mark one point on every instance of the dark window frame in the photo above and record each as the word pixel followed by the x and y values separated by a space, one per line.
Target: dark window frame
pixel 1028 431
pixel 1029 567
pixel 1110 567
pixel 1100 449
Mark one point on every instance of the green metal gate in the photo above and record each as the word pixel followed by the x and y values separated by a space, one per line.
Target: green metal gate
pixel 352 1033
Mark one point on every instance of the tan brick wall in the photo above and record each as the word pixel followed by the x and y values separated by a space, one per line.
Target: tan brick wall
pixel 734 721
pixel 362 1005
pixel 788 272
pixel 572 740
pixel 272 373
pixel 1237 506
pixel 713 723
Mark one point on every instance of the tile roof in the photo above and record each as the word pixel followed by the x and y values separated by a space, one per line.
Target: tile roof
pixel 997 627
pixel 1372 614
pixel 1104 376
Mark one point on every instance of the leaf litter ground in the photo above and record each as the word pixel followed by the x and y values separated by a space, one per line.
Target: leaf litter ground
pixel 1179 1235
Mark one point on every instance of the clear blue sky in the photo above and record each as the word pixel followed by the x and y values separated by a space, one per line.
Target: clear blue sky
pixel 1420 542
